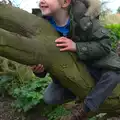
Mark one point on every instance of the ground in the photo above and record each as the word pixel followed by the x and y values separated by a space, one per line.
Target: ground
pixel 7 112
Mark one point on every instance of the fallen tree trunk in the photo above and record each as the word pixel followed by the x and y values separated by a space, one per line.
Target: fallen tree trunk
pixel 29 40
pixel 38 47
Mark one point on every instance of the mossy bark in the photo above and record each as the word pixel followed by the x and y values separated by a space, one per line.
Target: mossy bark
pixel 29 40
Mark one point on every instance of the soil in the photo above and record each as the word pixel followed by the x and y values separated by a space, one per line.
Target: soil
pixel 7 112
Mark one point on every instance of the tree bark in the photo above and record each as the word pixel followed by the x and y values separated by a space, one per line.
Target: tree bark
pixel 29 40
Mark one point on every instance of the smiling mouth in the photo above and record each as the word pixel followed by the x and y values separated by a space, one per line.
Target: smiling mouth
pixel 44 6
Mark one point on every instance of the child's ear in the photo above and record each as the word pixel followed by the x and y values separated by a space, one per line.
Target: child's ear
pixel 66 3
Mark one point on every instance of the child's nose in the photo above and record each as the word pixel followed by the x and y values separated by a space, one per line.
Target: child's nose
pixel 42 1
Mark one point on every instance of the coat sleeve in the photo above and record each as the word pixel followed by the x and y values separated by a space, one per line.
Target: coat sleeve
pixel 41 75
pixel 97 46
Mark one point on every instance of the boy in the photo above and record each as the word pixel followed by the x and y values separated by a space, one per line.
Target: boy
pixel 90 42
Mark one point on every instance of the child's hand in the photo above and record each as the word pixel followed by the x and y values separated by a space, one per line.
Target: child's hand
pixel 65 44
pixel 38 68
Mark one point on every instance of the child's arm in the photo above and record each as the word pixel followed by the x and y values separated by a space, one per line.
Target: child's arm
pixel 92 49
pixel 90 44
pixel 41 75
pixel 97 45
pixel 39 70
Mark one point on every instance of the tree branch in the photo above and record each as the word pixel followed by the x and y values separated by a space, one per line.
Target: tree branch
pixel 15 46
pixel 16 20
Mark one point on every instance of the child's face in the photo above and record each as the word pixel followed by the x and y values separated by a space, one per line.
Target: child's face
pixel 49 7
